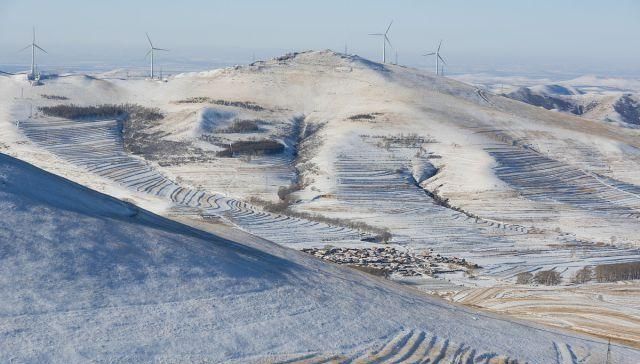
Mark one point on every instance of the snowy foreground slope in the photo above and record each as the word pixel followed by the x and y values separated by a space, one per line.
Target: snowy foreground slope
pixel 85 277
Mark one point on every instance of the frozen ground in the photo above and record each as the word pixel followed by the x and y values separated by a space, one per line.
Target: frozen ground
pixel 85 277
pixel 440 164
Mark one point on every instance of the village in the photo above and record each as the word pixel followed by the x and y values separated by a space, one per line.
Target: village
pixel 389 261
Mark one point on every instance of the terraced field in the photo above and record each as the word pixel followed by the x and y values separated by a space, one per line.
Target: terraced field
pixel 260 177
pixel 383 184
pixel 378 183
pixel 540 178
pixel 97 146
pixel 550 194
pixel 605 310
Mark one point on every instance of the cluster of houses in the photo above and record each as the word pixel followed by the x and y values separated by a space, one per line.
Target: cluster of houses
pixel 391 261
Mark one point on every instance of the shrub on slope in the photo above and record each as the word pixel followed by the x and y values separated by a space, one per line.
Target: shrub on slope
pixel 75 112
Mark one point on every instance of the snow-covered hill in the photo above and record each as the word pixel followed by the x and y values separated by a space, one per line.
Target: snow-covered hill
pixel 85 277
pixel 318 148
pixel 620 108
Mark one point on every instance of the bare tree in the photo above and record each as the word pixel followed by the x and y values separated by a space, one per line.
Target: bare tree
pixel 548 277
pixel 524 278
pixel 617 272
pixel 583 275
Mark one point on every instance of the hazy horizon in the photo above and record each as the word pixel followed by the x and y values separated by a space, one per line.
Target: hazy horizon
pixel 526 38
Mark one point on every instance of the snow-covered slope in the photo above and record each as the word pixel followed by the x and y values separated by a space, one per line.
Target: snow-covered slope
pixel 357 149
pixel 613 107
pixel 547 97
pixel 85 277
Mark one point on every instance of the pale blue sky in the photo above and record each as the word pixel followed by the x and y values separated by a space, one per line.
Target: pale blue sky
pixel 584 36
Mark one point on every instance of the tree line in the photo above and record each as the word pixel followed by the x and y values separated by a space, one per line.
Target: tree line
pixel 601 273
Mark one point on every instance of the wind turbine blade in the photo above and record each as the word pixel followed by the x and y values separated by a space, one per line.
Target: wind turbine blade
pixel 429 54
pixel 376 34
pixel 389 27
pixel 161 49
pixel 439 45
pixel 37 46
pixel 388 41
pixel 442 59
pixel 147 55
pixel 27 47
pixel 149 39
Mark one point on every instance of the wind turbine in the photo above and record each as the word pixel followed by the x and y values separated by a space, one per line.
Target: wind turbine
pixel 438 58
pixel 385 40
pixel 33 46
pixel 151 51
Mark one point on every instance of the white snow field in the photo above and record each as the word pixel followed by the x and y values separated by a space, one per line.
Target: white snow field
pixel 88 278
pixel 610 100
pixel 364 148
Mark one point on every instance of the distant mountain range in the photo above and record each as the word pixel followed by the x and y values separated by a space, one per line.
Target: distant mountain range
pixel 622 107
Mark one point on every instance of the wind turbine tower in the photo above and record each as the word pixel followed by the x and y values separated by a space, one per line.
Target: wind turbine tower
pixel 33 47
pixel 438 59
pixel 151 50
pixel 385 40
